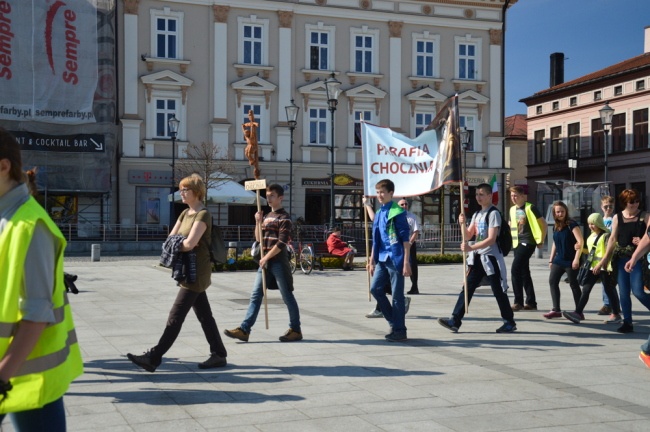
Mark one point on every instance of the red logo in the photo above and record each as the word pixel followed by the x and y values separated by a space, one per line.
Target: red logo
pixel 51 14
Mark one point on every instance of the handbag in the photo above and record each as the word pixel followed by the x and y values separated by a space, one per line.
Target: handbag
pixel 585 275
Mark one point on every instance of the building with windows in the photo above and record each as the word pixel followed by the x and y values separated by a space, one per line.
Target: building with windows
pixel 209 63
pixel 564 124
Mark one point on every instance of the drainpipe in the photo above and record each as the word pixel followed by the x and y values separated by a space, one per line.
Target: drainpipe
pixel 503 101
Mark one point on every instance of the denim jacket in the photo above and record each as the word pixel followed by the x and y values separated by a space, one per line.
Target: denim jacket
pixel 396 231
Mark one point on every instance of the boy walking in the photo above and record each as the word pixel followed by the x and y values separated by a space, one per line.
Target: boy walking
pixel 484 260
pixel 276 231
pixel 389 260
pixel 528 229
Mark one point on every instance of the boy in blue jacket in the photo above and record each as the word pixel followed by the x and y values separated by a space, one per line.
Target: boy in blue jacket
pixel 389 260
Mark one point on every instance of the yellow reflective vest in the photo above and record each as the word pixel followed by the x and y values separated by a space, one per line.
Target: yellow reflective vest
pixel 538 235
pixel 55 361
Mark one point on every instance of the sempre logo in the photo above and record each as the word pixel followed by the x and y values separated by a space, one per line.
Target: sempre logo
pixel 6 39
pixel 71 41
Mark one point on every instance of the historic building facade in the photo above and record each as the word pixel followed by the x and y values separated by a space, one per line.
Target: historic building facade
pixel 209 62
pixel 564 123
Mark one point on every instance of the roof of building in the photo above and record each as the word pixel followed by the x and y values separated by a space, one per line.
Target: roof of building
pixel 516 126
pixel 623 68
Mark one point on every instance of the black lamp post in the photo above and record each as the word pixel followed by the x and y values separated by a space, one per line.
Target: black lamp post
pixel 173 123
pixel 292 120
pixel 464 141
pixel 606 114
pixel 332 89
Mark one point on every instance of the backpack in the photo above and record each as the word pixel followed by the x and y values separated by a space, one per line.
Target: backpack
pixel 504 238
pixel 218 250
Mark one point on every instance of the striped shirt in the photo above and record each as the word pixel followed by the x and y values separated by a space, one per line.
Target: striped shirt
pixel 276 229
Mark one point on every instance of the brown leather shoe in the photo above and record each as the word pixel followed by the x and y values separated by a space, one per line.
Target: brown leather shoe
pixel 605 310
pixel 237 333
pixel 529 307
pixel 517 307
pixel 291 336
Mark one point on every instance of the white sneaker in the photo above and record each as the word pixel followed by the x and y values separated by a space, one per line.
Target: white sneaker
pixel 407 304
pixel 375 314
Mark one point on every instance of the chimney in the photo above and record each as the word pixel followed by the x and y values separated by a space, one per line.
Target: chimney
pixel 557 69
pixel 646 40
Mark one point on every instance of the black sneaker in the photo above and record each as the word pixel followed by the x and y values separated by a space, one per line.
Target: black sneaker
pixel 413 291
pixel 448 324
pixel 507 328
pixel 145 361
pixel 625 328
pixel 214 361
pixel 396 337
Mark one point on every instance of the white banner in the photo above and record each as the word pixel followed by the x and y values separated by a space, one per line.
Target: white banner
pixel 416 166
pixel 48 60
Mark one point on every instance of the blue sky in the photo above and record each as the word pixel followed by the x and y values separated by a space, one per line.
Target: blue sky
pixel 592 34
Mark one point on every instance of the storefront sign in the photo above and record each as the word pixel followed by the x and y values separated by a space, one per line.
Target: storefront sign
pixel 339 180
pixel 80 143
pixel 150 177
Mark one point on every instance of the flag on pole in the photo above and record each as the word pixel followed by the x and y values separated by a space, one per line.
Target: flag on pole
pixel 466 196
pixel 416 166
pixel 495 190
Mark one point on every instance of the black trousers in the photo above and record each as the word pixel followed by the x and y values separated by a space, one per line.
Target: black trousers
pixel 186 300
pixel 414 266
pixel 520 271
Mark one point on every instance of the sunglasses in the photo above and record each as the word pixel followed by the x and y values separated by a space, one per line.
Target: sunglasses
pixel 608 207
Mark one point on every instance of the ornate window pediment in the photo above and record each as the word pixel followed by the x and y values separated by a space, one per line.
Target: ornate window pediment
pixel 166 80
pixel 425 96
pixel 365 93
pixel 253 86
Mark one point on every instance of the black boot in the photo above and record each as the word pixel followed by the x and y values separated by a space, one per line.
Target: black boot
pixel 146 361
pixel 214 361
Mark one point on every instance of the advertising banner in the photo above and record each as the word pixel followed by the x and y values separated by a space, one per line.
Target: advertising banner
pixel 48 60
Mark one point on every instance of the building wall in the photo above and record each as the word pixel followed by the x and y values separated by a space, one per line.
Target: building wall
pixel 214 81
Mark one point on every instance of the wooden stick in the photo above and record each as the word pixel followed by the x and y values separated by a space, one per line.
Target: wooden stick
pixel 259 228
pixel 365 213
pixel 462 232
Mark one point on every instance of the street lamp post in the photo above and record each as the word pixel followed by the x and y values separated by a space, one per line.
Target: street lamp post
pixel 292 121
pixel 332 89
pixel 606 114
pixel 464 140
pixel 173 123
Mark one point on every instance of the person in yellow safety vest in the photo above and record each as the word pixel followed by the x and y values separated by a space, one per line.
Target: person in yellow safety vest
pixel 39 352
pixel 528 229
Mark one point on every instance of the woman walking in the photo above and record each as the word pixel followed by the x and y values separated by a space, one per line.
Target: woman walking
pixel 565 257
pixel 39 352
pixel 597 242
pixel 194 226
pixel 628 227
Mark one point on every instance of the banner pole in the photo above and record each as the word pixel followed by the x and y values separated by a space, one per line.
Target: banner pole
pixel 259 228
pixel 365 214
pixel 463 239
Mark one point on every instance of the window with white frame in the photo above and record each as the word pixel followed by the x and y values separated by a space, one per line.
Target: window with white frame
pixel 166 34
pixel 164 109
pixel 261 118
pixel 359 115
pixel 468 58
pixel 426 55
pixel 253 41
pixel 364 50
pixel 421 121
pixel 320 47
pixel 318 122
pixel 469 122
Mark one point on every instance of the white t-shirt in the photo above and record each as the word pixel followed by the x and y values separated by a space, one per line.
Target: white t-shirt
pixel 482 229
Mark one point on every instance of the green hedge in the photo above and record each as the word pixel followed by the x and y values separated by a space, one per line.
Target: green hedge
pixel 246 262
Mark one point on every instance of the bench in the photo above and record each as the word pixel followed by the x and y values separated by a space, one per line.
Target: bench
pixel 320 252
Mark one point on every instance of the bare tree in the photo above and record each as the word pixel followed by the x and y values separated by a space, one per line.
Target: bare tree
pixel 208 161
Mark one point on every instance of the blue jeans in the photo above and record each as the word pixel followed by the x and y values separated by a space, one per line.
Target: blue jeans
pixel 50 417
pixel 631 282
pixel 395 312
pixel 277 268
